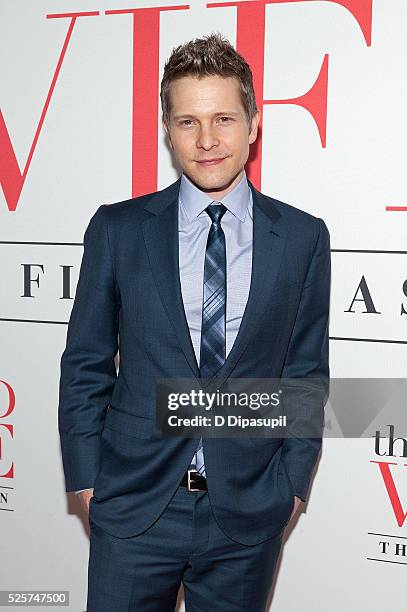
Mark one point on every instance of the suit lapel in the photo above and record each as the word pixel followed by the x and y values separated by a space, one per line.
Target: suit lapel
pixel 161 239
pixel 268 246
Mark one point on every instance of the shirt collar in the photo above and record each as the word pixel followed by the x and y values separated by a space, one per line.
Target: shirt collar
pixel 194 201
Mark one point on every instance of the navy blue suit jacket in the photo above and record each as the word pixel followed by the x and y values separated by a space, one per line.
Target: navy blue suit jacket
pixel 129 292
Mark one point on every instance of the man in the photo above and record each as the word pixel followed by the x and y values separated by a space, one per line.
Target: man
pixel 206 278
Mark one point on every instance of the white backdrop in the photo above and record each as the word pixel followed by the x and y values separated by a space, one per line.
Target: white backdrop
pixel 82 158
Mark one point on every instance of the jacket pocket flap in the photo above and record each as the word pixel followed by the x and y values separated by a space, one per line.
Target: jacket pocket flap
pixel 129 424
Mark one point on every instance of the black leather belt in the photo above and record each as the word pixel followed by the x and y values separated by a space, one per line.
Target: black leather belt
pixel 194 481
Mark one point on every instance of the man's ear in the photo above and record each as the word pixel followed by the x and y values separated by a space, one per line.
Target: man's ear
pixel 254 127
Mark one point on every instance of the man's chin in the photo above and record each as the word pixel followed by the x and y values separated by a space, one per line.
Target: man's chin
pixel 208 183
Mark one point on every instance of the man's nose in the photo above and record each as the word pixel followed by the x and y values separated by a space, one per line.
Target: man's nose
pixel 207 137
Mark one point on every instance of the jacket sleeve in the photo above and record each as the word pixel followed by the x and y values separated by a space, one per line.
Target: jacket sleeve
pixel 87 367
pixel 307 359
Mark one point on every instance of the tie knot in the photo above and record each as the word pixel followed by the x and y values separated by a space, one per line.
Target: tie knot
pixel 216 210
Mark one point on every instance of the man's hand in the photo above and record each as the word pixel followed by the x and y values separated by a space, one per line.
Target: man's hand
pixel 297 503
pixel 84 498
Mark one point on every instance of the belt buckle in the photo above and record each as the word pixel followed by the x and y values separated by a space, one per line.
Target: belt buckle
pixel 189 480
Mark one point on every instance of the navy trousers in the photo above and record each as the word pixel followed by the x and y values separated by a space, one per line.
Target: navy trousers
pixel 184 545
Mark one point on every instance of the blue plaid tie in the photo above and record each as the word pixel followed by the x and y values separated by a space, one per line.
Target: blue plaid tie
pixel 213 330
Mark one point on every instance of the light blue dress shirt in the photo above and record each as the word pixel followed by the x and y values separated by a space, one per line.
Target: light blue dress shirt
pixel 193 229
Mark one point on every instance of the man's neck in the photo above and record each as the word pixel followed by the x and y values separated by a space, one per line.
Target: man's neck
pixel 220 193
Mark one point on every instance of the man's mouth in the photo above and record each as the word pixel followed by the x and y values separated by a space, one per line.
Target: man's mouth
pixel 210 162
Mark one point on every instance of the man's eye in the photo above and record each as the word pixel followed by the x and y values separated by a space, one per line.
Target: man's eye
pixel 186 122
pixel 225 119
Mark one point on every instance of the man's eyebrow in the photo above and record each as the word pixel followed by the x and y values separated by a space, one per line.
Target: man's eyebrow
pixel 218 114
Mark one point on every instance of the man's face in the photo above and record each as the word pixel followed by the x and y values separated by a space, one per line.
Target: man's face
pixel 209 132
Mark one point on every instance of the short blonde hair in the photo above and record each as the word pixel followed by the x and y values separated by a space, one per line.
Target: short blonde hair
pixel 210 55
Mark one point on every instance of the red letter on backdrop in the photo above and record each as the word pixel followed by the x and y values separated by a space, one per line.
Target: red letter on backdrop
pixel 11 178
pixel 392 491
pixel 10 429
pixel 250 19
pixel 146 50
